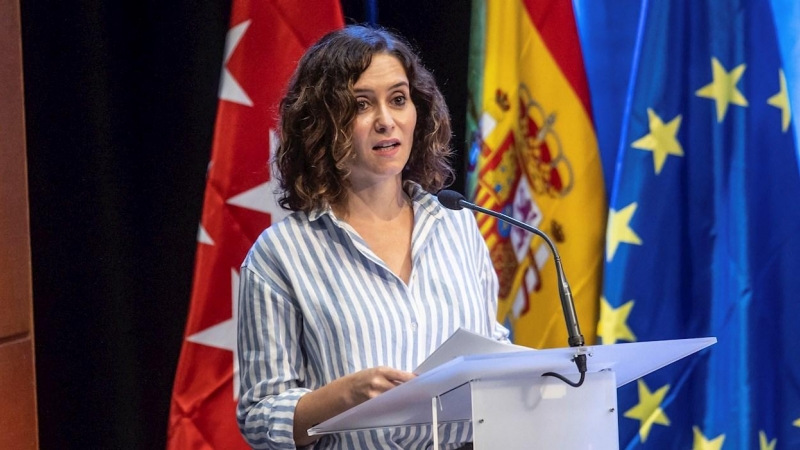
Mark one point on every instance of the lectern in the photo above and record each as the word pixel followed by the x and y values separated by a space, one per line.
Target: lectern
pixel 511 405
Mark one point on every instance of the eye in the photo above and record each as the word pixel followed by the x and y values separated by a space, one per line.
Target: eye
pixel 400 100
pixel 361 104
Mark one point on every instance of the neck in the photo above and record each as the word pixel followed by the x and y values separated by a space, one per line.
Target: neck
pixel 381 202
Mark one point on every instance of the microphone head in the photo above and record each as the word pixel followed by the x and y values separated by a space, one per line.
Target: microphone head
pixel 450 199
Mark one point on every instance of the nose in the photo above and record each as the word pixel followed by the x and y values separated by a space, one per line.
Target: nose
pixel 384 120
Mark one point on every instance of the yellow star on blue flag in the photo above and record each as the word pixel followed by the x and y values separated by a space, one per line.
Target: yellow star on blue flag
pixel 703 443
pixel 723 88
pixel 662 139
pixel 781 101
pixel 613 324
pixel 648 411
pixel 764 443
pixel 619 230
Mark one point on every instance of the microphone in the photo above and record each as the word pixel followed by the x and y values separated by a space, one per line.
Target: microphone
pixel 455 201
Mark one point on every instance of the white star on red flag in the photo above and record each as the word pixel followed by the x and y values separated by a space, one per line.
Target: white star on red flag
pixel 223 334
pixel 203 237
pixel 229 88
pixel 262 198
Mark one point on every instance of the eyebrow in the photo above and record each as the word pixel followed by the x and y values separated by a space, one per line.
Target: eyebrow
pixel 394 86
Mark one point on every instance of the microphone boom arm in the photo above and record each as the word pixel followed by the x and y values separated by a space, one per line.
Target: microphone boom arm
pixel 567 304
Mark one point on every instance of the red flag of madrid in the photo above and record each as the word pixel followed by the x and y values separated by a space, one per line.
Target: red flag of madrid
pixel 262 48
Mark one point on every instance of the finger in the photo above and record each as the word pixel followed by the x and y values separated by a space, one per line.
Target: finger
pixel 373 387
pixel 396 376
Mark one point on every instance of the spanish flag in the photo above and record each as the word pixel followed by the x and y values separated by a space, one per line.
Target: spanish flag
pixel 533 155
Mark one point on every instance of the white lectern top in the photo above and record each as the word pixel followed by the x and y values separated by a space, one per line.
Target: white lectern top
pixel 410 403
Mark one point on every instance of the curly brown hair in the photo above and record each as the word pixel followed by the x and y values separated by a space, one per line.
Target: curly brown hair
pixel 318 111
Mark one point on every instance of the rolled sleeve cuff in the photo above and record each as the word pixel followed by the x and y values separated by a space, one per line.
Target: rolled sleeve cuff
pixel 270 423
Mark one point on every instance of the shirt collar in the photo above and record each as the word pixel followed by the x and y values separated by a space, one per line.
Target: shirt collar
pixel 423 199
pixel 414 191
pixel 317 213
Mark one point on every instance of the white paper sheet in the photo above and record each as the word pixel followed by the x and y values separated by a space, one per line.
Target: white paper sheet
pixel 462 343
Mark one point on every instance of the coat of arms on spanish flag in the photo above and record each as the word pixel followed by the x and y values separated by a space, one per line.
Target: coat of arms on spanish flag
pixel 534 155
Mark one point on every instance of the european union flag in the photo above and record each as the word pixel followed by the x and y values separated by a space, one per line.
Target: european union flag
pixel 704 230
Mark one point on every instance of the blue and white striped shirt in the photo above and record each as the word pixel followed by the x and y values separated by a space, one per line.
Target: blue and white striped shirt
pixel 317 304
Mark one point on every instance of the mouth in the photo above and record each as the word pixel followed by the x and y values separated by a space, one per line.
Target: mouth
pixel 383 146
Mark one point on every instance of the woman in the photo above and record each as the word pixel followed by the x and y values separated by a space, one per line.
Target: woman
pixel 345 297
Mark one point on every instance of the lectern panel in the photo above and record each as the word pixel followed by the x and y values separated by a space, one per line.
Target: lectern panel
pixel 534 412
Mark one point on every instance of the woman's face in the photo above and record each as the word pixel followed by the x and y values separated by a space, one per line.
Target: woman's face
pixel 383 130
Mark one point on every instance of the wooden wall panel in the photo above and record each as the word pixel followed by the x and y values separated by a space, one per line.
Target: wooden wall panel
pixel 18 394
pixel 15 255
pixel 15 266
pixel 18 426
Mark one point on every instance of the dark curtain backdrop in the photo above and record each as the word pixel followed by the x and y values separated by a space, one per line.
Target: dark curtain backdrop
pixel 120 99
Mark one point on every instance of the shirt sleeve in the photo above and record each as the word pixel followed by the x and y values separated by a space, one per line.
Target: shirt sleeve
pixel 271 369
pixel 499 332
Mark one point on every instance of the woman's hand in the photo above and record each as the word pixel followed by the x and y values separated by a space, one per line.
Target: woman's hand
pixel 340 395
pixel 369 383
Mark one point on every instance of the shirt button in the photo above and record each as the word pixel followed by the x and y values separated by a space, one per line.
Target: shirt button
pixel 414 326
